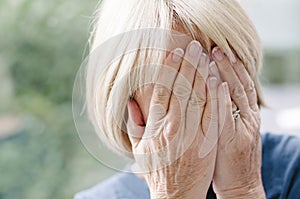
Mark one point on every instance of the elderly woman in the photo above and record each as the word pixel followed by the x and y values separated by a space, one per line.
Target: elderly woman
pixel 193 122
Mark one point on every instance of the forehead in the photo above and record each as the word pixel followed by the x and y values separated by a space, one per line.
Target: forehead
pixel 179 40
pixel 183 35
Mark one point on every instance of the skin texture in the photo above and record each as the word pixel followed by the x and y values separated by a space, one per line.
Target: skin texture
pixel 238 166
pixel 222 150
pixel 173 117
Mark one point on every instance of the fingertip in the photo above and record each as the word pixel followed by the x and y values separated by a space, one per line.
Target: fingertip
pixel 222 93
pixel 204 60
pixel 220 87
pixel 213 82
pixel 225 88
pixel 177 55
pixel 217 54
pixel 213 68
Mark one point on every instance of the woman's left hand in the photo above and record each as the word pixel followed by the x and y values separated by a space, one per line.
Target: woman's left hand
pixel 238 166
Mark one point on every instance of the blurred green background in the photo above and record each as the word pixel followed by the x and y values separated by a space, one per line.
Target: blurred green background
pixel 41 48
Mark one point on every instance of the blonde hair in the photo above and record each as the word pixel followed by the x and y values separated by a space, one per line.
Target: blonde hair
pixel 221 23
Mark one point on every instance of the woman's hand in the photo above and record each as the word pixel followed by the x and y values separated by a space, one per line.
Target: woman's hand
pixel 178 157
pixel 238 165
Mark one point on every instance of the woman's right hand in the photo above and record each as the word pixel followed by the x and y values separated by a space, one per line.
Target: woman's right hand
pixel 171 147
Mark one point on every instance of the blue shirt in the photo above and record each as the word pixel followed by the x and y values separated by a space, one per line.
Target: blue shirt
pixel 280 174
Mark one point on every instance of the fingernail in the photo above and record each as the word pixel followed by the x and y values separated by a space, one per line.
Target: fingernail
pixel 225 88
pixel 218 54
pixel 203 59
pixel 194 48
pixel 213 82
pixel 213 68
pixel 177 54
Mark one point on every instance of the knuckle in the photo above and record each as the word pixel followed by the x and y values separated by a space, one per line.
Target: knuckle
pixel 181 90
pixel 249 87
pixel 157 113
pixel 238 92
pixel 197 101
pixel 171 130
pixel 160 93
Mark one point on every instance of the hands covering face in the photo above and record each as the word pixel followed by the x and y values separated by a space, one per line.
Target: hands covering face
pixel 238 166
pixel 184 135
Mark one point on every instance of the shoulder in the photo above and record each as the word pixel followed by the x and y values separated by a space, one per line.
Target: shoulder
pixel 121 185
pixel 285 147
pixel 281 165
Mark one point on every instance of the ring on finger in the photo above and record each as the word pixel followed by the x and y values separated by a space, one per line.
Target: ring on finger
pixel 236 114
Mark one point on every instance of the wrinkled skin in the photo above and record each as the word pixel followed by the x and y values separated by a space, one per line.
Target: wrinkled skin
pixel 238 166
pixel 191 133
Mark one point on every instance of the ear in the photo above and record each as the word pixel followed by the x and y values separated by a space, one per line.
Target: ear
pixel 135 113
pixel 135 123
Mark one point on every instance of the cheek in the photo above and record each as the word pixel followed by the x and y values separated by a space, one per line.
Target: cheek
pixel 143 98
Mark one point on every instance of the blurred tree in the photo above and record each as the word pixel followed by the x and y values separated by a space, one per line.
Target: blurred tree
pixel 31 163
pixel 281 66
pixel 41 44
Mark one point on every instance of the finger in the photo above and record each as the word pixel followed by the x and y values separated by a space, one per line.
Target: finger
pixel 247 83
pixel 203 69
pixel 162 89
pixel 184 81
pixel 226 121
pixel 211 136
pixel 196 103
pixel 228 75
pixel 135 123
pixel 214 71
pixel 234 107
pixel 198 97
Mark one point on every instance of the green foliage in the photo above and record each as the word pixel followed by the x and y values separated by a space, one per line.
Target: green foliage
pixel 43 43
pixel 281 67
pixel 41 48
pixel 32 162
